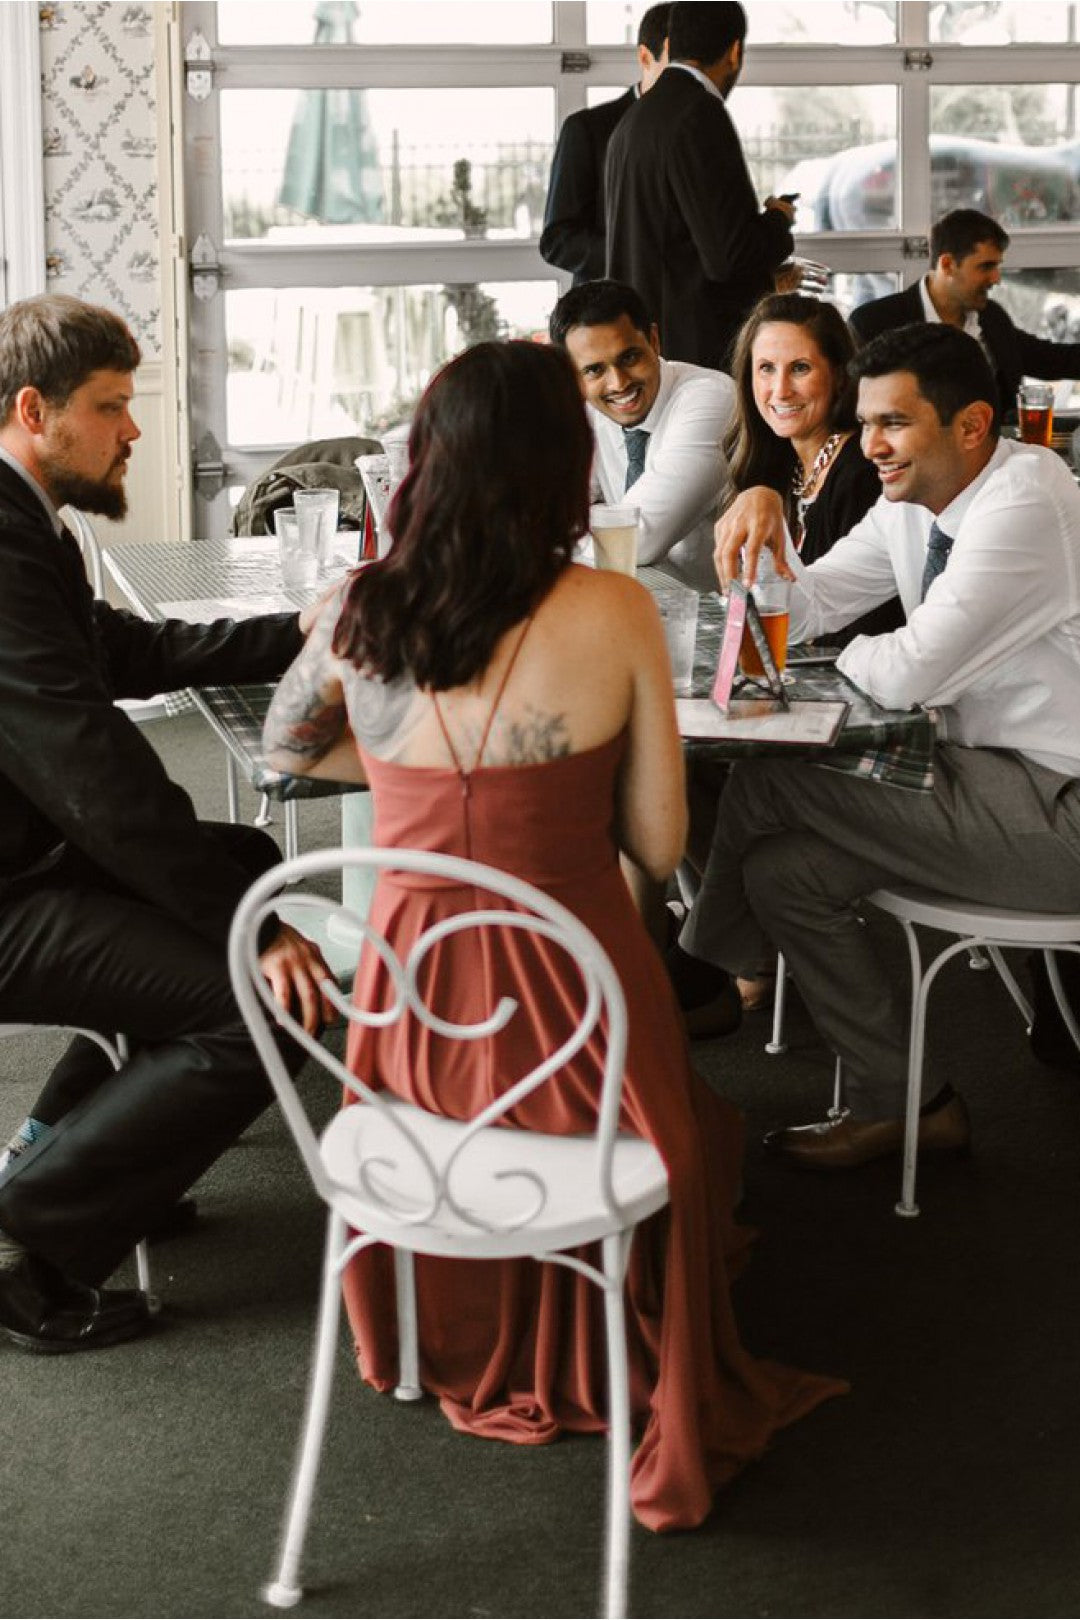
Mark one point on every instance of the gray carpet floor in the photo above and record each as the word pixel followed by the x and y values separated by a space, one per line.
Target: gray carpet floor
pixel 149 1479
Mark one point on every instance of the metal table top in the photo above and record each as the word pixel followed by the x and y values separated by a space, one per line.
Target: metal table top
pixel 238 571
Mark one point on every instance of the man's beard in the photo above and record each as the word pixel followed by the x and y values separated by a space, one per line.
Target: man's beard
pixel 88 494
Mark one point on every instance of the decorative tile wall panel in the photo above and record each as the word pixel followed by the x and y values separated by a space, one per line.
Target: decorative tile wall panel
pixel 99 121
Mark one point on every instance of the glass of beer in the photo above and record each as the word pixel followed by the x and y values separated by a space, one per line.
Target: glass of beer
pixel 772 600
pixel 1035 403
pixel 615 530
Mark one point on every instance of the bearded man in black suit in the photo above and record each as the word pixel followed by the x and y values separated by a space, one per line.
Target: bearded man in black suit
pixel 684 227
pixel 966 253
pixel 115 901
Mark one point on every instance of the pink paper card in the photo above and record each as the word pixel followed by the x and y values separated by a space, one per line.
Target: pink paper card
pixel 728 662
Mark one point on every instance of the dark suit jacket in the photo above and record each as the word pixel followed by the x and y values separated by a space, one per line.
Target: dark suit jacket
pixel 75 768
pixel 683 221
pixel 1014 352
pixel 574 234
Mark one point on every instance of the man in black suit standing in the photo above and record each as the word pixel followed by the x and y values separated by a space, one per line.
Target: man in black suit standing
pixel 966 253
pixel 573 237
pixel 115 901
pixel 683 222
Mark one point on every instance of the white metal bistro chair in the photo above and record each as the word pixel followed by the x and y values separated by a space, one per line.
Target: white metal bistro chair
pixel 117 1054
pixel 392 1173
pixel 990 928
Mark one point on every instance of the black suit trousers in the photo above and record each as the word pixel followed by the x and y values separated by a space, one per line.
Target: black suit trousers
pixel 77 949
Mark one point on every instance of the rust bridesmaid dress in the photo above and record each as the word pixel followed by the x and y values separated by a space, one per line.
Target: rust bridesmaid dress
pixel 512 1349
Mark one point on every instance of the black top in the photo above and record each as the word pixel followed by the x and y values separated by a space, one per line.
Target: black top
pixel 73 766
pixel 1014 353
pixel 684 225
pixel 851 488
pixel 574 235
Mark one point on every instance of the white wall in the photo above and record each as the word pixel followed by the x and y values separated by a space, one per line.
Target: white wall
pixel 105 132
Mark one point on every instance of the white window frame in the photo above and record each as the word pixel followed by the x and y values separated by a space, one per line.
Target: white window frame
pixel 22 175
pixel 901 250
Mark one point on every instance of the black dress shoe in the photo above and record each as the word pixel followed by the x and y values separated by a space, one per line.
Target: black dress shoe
pixel 44 1311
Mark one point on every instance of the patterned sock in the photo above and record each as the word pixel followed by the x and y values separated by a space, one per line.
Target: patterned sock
pixel 30 1131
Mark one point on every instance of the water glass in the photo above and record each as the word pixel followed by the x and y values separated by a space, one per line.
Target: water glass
pixel 678 607
pixel 615 531
pixel 297 552
pixel 397 459
pixel 317 511
pixel 1035 404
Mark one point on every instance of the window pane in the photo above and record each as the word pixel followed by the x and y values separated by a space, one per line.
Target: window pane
pixel 1000 148
pixel 1047 303
pixel 385 165
pixel 801 138
pixel 849 289
pixel 421 22
pixel 1004 22
pixel 597 94
pixel 314 362
pixel 772 22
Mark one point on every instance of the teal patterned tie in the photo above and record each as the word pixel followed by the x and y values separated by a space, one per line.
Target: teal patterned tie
pixel 637 442
pixel 937 555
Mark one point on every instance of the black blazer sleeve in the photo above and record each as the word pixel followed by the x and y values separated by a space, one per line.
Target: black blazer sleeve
pixel 574 235
pixel 73 766
pixel 735 239
pixel 1021 354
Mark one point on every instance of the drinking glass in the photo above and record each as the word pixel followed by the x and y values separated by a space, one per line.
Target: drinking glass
pixel 615 530
pixel 297 552
pixel 772 598
pixel 678 607
pixel 1035 403
pixel 318 508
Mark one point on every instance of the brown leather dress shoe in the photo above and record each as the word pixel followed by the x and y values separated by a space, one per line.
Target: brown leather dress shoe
pixel 846 1143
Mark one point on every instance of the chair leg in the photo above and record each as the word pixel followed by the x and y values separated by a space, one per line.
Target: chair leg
pixel 292 829
pixel 408 1384
pixel 776 1042
pixel 264 816
pixel 977 959
pixel 284 1591
pixel 617 1557
pixel 920 986
pixel 1064 1008
pixel 232 799
pixel 1005 974
pixel 837 1090
pixel 142 1250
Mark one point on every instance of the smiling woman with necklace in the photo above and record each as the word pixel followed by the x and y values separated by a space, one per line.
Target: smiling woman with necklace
pixel 794 426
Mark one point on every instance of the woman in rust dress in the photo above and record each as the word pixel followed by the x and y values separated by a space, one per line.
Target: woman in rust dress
pixel 507 704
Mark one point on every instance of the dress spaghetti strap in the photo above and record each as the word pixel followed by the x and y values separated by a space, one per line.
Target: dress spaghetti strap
pixel 507 672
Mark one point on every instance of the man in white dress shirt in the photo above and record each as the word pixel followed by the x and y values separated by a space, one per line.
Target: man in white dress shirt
pixel 981 538
pixel 657 424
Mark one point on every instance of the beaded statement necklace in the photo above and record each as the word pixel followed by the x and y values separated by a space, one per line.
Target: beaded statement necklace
pixel 804 485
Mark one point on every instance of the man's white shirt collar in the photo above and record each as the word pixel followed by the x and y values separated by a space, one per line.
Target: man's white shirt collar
pixel 971 319
pixel 696 73
pixel 35 488
pixel 950 517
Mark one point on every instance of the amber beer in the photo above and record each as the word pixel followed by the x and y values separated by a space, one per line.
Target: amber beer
pixel 1035 406
pixel 775 625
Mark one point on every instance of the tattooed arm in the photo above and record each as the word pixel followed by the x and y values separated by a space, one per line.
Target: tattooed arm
pixel 306 732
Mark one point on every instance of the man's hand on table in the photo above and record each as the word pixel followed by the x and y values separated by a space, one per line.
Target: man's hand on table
pixel 294 968
pixel 754 521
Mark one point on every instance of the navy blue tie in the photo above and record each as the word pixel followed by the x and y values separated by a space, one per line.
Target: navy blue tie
pixel 937 555
pixel 637 442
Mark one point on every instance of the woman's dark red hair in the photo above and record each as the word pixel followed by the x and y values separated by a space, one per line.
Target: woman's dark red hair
pixel 486 518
